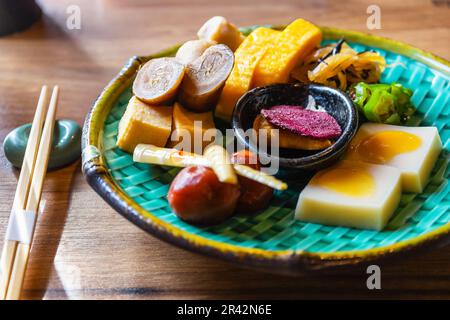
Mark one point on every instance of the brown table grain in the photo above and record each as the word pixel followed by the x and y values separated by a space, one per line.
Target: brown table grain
pixel 83 249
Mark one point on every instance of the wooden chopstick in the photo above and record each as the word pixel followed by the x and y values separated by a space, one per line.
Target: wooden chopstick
pixel 33 197
pixel 23 184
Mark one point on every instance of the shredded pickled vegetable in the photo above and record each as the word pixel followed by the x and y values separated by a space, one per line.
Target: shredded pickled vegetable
pixel 339 66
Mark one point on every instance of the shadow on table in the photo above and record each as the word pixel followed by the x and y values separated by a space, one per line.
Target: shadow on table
pixel 44 273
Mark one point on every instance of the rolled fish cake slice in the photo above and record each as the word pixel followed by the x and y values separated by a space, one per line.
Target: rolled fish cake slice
pixel 205 77
pixel 158 80
pixel 218 29
pixel 193 49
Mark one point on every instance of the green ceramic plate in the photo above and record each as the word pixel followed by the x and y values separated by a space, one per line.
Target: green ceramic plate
pixel 272 239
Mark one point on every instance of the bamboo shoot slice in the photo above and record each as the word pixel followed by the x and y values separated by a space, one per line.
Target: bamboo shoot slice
pixel 220 162
pixel 148 153
pixel 261 177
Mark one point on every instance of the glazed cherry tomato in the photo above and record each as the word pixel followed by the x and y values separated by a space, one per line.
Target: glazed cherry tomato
pixel 254 195
pixel 197 196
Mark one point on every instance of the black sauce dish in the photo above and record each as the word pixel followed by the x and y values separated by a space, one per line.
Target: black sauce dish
pixel 335 102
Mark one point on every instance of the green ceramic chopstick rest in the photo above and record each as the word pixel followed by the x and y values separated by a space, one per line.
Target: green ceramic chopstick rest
pixel 66 146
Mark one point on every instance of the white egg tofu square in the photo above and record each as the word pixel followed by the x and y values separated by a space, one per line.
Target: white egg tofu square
pixel 319 203
pixel 416 165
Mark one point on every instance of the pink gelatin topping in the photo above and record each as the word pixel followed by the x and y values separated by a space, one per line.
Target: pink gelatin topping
pixel 309 123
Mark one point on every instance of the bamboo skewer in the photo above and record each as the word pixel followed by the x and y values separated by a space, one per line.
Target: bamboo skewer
pixel 33 196
pixel 23 184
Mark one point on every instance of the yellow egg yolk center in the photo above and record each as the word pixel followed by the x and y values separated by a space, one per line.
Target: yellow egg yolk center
pixel 354 182
pixel 384 146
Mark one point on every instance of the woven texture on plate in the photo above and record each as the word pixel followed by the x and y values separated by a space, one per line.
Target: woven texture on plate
pixel 275 227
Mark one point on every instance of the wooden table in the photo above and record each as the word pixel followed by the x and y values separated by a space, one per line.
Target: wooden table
pixel 83 249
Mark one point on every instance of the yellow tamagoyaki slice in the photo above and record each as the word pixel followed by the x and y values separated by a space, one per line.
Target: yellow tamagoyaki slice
pixel 218 29
pixel 289 139
pixel 246 58
pixel 192 126
pixel 291 46
pixel 143 123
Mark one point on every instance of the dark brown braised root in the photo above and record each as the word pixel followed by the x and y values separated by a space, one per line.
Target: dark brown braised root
pixel 254 195
pixel 197 196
